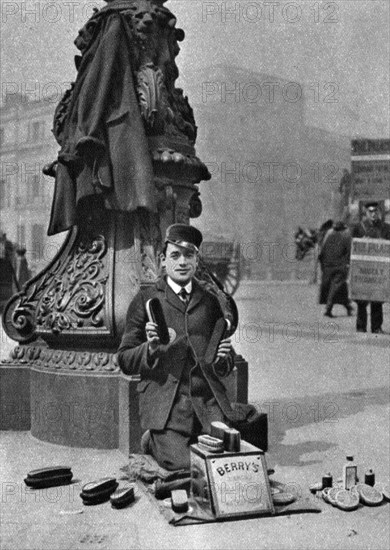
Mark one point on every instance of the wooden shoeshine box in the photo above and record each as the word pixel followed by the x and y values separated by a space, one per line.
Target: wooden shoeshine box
pixel 231 484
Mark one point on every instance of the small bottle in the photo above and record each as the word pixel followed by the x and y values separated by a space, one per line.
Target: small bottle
pixel 327 480
pixel 349 473
pixel 369 478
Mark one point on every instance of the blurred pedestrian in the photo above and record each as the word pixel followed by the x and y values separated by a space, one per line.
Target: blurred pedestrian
pixel 334 259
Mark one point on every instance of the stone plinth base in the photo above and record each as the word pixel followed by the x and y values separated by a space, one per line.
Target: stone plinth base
pixel 129 423
pixel 77 409
pixel 15 413
pixel 81 409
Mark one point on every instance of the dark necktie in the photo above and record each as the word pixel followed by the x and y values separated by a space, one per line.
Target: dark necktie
pixel 184 296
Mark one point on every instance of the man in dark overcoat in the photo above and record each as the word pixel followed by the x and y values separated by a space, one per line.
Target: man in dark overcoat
pixel 179 395
pixel 334 258
pixel 371 227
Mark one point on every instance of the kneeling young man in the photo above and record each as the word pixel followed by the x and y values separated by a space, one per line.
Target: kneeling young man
pixel 179 396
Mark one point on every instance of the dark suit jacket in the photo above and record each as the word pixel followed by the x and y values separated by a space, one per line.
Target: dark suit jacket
pixel 161 377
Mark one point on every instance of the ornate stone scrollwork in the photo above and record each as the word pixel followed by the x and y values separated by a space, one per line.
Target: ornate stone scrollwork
pixel 69 294
pixel 23 315
pixel 64 360
pixel 75 298
pixel 19 316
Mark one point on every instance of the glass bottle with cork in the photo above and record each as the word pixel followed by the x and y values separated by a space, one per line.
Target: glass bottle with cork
pixel 349 473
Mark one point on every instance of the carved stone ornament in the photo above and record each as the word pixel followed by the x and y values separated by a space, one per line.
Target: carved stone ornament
pixel 75 297
pixel 64 360
pixel 68 295
pixel 150 81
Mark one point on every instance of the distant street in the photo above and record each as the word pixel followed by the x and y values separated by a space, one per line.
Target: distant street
pixel 294 351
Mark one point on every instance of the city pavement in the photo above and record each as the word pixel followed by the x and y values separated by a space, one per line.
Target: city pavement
pixel 326 391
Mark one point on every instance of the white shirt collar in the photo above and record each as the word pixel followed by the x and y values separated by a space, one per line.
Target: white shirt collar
pixel 177 288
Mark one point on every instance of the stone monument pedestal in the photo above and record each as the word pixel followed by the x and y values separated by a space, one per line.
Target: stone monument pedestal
pixel 81 409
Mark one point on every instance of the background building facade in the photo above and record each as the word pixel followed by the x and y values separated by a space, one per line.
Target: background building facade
pixel 27 144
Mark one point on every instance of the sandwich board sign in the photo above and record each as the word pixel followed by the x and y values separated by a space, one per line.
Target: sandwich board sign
pixel 370 270
pixel 370 163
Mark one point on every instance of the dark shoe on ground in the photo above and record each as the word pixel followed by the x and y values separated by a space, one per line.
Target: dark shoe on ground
pixel 361 330
pixel 328 314
pixel 349 311
pixel 377 331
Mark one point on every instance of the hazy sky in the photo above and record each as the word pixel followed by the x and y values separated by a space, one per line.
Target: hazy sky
pixel 340 47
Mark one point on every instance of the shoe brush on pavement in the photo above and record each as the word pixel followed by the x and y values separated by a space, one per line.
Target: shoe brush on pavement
pixel 98 491
pixel 122 497
pixel 51 476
